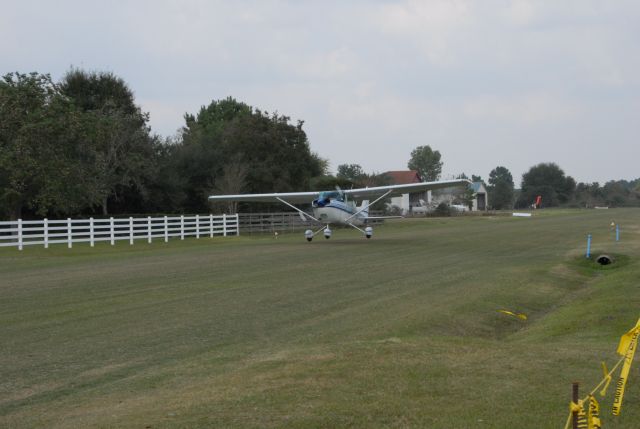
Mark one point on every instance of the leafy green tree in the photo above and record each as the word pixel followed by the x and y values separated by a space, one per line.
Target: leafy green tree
pixel 426 162
pixel 117 136
pixel 105 91
pixel 620 193
pixel 41 165
pixel 166 189
pixel 275 152
pixel 201 150
pixel 351 172
pixel 501 188
pixel 589 195
pixel 549 181
pixel 328 182
pixel 232 181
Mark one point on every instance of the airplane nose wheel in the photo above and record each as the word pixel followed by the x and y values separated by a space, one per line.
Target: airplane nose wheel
pixel 308 234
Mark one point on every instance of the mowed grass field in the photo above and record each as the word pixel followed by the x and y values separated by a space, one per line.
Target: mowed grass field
pixel 399 331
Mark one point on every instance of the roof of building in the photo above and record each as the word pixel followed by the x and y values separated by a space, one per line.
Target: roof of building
pixel 477 187
pixel 403 177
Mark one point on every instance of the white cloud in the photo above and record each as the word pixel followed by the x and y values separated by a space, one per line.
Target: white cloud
pixel 493 82
pixel 529 109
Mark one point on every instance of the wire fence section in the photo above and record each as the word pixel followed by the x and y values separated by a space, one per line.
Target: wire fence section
pixel 20 233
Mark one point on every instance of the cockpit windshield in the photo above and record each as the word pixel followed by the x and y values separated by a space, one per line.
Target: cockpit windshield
pixel 332 195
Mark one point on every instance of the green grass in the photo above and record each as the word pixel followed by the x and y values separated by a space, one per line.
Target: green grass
pixel 399 331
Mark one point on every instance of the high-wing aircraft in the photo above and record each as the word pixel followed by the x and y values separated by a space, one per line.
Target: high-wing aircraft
pixel 339 206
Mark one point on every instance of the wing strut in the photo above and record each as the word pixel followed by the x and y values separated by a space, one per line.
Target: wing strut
pixel 364 208
pixel 302 212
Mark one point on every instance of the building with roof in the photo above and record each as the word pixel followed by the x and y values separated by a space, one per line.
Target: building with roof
pixel 422 202
pixel 479 197
pixel 408 203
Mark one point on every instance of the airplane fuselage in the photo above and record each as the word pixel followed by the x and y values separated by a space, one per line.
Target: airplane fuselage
pixel 338 212
pixel 334 207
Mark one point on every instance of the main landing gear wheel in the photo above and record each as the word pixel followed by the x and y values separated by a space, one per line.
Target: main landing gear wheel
pixel 327 233
pixel 308 234
pixel 368 232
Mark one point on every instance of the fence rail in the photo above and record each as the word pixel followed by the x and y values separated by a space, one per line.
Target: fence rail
pixel 22 233
pixel 271 222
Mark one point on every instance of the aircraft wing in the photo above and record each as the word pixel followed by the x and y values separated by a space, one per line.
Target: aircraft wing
pixel 291 197
pixel 307 197
pixel 405 189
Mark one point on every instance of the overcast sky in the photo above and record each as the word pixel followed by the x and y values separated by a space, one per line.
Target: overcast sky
pixel 487 83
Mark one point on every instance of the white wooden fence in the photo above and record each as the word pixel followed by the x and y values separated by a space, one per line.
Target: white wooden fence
pixel 22 233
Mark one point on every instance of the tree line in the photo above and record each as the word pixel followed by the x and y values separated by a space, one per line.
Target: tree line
pixel 557 189
pixel 83 147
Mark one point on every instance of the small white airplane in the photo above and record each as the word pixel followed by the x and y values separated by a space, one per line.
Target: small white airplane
pixel 339 206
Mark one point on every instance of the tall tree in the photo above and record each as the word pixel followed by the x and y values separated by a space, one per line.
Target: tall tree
pixel 116 134
pixel 93 90
pixel 233 180
pixel 276 152
pixel 500 188
pixel 351 172
pixel 40 163
pixel 549 181
pixel 200 153
pixel 426 161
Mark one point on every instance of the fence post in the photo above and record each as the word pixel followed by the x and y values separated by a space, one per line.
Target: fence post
pixel 91 231
pixel 237 224
pixel 224 224
pixel 19 234
pixel 111 233
pixel 197 226
pixel 149 229
pixel 181 227
pixel 166 230
pixel 69 233
pixel 210 225
pixel 46 233
pixel 130 230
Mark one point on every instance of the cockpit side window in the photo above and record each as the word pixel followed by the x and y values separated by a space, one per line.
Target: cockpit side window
pixel 332 195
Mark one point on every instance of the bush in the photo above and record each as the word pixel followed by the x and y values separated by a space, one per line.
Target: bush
pixel 443 209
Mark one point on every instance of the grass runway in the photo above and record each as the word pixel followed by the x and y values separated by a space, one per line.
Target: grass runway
pixel 398 331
